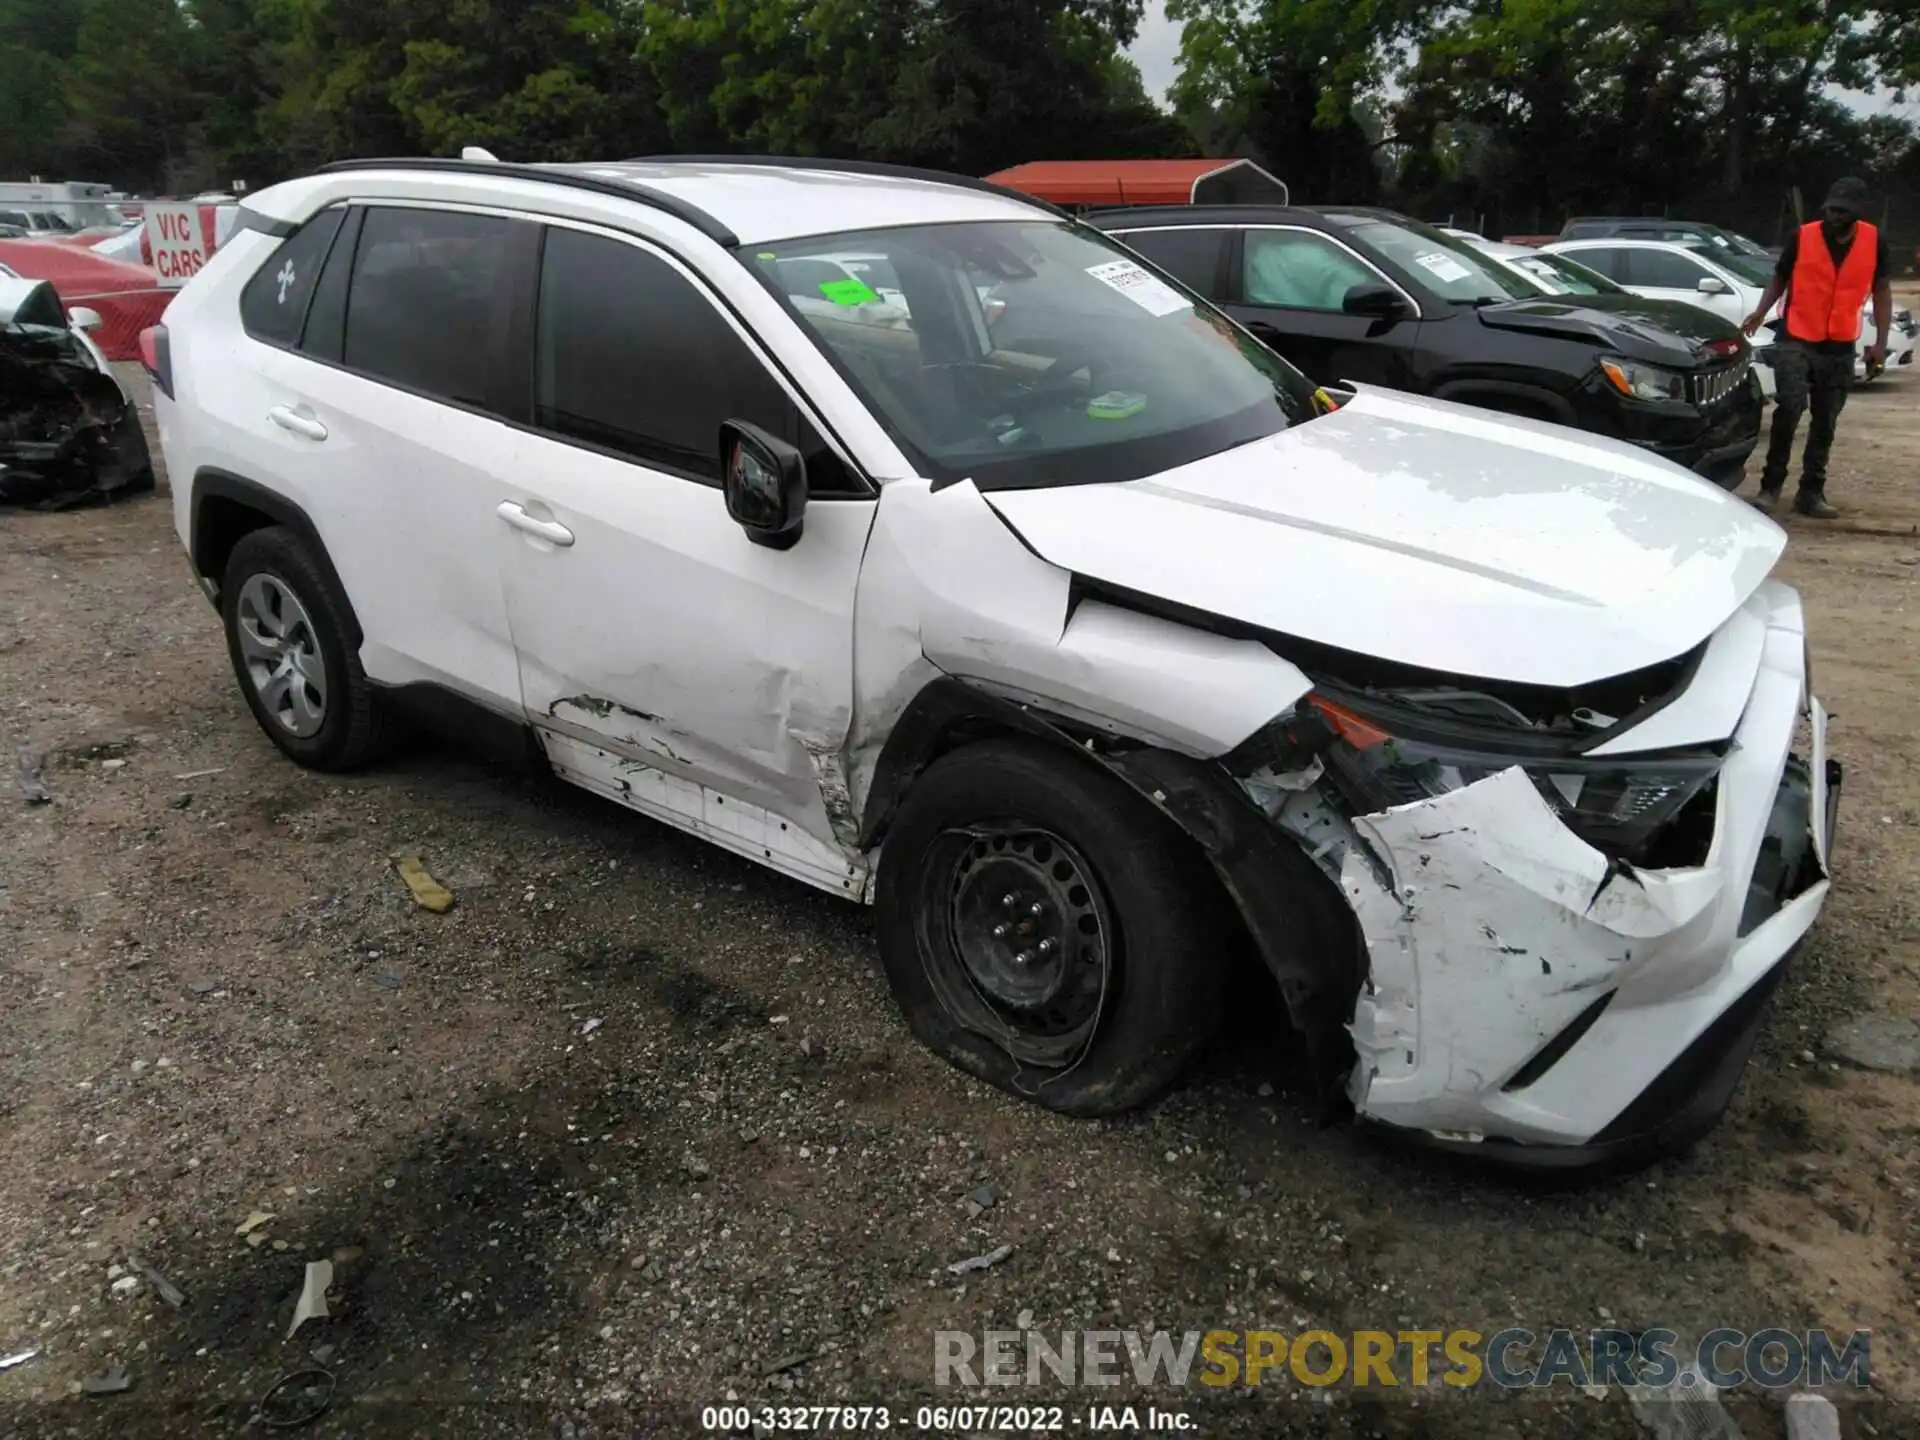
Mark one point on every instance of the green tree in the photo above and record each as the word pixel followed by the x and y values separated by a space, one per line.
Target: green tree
pixel 37 39
pixel 129 92
pixel 1289 80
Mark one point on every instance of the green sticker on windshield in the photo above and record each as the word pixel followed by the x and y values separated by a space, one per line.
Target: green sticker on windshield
pixel 848 292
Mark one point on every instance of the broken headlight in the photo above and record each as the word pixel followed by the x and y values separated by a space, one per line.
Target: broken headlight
pixel 1617 805
pixel 1642 381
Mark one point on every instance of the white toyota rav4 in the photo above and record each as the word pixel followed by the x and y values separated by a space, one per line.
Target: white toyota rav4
pixel 1070 628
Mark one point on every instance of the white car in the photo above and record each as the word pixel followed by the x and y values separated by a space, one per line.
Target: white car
pixel 1073 661
pixel 1717 278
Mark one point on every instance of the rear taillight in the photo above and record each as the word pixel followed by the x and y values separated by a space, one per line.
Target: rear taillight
pixel 157 358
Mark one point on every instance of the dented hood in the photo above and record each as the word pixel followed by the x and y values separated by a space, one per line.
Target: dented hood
pixel 1430 534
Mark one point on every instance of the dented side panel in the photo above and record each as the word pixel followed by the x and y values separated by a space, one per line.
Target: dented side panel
pixel 949 589
pixel 666 638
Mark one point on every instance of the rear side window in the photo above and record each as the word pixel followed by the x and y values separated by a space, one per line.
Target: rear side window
pixel 1664 269
pixel 1190 254
pixel 630 356
pixel 1609 261
pixel 273 306
pixel 431 306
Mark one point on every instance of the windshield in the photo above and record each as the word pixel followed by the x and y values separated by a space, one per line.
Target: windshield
pixel 1450 268
pixel 1563 276
pixel 1030 353
pixel 1754 271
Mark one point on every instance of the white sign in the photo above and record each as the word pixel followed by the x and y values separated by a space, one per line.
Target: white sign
pixel 179 248
pixel 1150 294
pixel 1445 266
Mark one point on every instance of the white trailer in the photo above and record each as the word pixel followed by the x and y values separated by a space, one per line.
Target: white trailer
pixel 79 203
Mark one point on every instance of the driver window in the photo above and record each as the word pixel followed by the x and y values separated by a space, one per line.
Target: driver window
pixel 1300 270
pixel 630 357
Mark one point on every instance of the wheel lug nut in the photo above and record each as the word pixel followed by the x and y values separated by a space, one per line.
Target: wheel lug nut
pixel 1046 947
pixel 1009 900
pixel 1000 932
pixel 1036 908
pixel 1025 957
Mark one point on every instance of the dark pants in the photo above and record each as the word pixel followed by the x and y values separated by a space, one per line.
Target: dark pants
pixel 1803 375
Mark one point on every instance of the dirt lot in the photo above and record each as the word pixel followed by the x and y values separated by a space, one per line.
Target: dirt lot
pixel 635 1124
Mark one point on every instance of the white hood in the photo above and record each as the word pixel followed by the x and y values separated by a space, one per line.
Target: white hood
pixel 1427 533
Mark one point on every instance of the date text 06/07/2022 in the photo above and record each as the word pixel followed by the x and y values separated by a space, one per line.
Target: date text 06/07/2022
pixel 739 1419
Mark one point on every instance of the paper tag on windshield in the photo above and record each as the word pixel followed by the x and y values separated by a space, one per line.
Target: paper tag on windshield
pixel 1445 267
pixel 1152 295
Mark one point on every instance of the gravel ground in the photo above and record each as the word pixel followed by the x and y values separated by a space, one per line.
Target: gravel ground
pixel 634 1127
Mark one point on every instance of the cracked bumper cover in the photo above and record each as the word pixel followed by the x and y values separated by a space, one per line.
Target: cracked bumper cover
pixel 1538 1004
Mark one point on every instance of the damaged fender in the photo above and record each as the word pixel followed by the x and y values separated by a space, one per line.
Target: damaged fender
pixel 1489 927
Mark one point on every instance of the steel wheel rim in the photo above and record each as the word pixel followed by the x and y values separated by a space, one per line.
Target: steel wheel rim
pixel 282 656
pixel 1031 974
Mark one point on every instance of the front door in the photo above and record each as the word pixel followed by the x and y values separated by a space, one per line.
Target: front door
pixel 666 660
pixel 1292 287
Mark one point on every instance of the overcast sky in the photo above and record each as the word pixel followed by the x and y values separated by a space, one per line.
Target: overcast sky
pixel 1157 52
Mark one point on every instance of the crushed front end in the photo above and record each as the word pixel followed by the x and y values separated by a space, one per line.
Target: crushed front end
pixel 68 434
pixel 1571 922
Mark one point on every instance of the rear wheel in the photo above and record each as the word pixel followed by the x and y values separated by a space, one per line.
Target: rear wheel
pixel 288 637
pixel 1045 929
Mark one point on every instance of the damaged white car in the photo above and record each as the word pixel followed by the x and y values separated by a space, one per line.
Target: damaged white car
pixel 1033 603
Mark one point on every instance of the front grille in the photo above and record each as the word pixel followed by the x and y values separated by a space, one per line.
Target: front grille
pixel 1710 387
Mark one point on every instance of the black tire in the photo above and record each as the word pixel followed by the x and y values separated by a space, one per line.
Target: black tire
pixel 356 728
pixel 1159 914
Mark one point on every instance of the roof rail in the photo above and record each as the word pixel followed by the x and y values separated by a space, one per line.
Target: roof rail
pixel 856 167
pixel 552 175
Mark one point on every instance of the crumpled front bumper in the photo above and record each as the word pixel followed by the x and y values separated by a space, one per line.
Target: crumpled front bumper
pixel 1533 1001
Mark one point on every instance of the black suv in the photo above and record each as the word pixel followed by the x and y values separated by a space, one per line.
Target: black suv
pixel 1368 296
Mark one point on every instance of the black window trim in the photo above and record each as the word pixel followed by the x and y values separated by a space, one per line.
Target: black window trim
pixel 376 202
pixel 306 309
pixel 1340 242
pixel 866 488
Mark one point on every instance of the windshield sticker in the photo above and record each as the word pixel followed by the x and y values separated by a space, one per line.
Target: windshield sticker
pixel 848 292
pixel 1151 295
pixel 1445 267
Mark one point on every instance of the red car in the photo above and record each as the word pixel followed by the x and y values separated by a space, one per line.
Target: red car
pixel 127 297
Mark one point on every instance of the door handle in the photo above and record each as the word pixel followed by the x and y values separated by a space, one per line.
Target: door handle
pixel 288 418
pixel 552 531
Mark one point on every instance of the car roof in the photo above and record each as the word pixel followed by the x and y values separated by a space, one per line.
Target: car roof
pixel 1151 217
pixel 752 200
pixel 1321 217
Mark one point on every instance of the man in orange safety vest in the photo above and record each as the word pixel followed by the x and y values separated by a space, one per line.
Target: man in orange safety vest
pixel 1827 271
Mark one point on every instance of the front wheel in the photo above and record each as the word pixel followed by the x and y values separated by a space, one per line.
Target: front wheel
pixel 1046 929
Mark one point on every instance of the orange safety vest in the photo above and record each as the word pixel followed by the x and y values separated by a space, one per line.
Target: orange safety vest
pixel 1823 302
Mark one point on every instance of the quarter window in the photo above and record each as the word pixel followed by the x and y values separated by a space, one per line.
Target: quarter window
pixel 273 306
pixel 630 356
pixel 431 307
pixel 1300 271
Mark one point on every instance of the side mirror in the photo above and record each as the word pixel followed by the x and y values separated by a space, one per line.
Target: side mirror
pixel 765 480
pixel 1379 302
pixel 1711 285
pixel 82 317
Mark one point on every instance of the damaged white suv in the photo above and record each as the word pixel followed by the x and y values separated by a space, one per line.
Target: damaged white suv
pixel 1034 603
